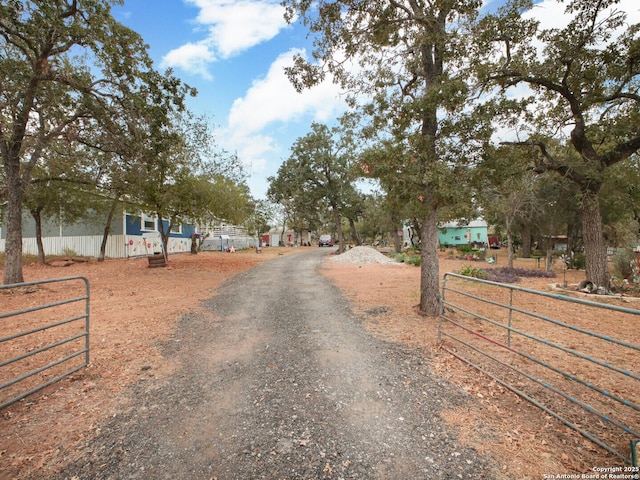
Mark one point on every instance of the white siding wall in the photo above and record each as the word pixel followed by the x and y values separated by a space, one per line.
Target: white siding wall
pixel 118 246
pixel 85 246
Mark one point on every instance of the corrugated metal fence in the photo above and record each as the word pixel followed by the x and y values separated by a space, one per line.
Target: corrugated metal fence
pixel 125 246
pixel 585 372
pixel 84 246
pixel 42 342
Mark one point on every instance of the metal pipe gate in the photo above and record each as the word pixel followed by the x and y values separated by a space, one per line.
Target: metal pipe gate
pixel 41 343
pixel 584 376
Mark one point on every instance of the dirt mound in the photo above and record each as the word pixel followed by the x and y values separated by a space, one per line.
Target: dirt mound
pixel 364 255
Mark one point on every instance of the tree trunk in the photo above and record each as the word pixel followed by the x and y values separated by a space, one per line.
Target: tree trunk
pixel 429 267
pixel 13 244
pixel 549 260
pixel 417 229
pixel 37 218
pixel 572 236
pixel 164 237
pixel 594 246
pixel 526 241
pixel 284 226
pixel 397 241
pixel 107 230
pixel 509 242
pixel 509 250
pixel 354 232
pixel 338 221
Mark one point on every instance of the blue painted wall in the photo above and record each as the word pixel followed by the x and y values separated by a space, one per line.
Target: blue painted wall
pixel 453 235
pixel 134 227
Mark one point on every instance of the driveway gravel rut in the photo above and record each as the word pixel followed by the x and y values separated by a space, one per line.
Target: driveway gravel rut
pixel 277 379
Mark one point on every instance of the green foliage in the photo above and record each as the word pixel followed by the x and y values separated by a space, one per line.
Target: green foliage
pixel 579 261
pixel 397 256
pixel 471 271
pixel 464 249
pixel 407 257
pixel 317 179
pixel 580 80
pixel 413 260
pixel 80 104
pixel 624 261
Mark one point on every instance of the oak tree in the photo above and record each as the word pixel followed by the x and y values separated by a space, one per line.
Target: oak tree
pixel 584 79
pixel 66 66
pixel 318 174
pixel 407 57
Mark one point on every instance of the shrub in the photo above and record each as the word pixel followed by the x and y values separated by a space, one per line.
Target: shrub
pixel 622 263
pixel 470 271
pixel 464 249
pixel 523 272
pixel 397 256
pixel 69 252
pixel 579 261
pixel 503 274
pixel 413 259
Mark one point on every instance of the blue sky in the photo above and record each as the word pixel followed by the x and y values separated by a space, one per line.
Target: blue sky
pixel 234 52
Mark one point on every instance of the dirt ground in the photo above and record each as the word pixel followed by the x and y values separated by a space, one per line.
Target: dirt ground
pixel 527 442
pixel 134 308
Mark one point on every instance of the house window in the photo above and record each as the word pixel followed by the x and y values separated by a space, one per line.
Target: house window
pixel 457 237
pixel 148 224
pixel 176 228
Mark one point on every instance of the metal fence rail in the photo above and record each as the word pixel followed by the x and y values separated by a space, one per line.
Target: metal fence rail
pixel 41 343
pixel 579 373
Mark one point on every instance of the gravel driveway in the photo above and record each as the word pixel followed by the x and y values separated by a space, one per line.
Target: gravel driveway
pixel 279 380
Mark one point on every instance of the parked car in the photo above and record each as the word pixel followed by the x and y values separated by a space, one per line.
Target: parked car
pixel 325 240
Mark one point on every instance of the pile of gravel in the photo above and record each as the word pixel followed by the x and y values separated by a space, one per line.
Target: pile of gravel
pixel 364 255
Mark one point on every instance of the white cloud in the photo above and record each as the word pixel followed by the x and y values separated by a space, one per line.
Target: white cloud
pixel 235 26
pixel 191 57
pixel 232 27
pixel 273 99
pixel 551 13
pixel 270 110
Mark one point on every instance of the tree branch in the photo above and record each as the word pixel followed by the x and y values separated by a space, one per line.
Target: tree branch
pixel 549 163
